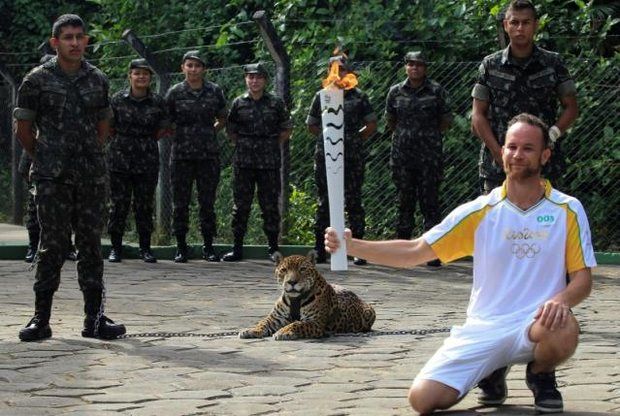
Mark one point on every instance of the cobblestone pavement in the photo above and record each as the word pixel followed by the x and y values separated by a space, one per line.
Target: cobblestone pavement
pixel 223 375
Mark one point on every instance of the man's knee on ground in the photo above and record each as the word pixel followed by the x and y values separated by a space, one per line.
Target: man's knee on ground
pixel 426 396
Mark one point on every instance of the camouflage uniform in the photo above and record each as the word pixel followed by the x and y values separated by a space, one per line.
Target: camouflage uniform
pixel 512 87
pixel 32 222
pixel 257 125
pixel 68 171
pixel 133 159
pixel 416 157
pixel 195 152
pixel 357 113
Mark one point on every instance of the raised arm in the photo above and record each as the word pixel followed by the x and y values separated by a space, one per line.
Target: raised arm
pixel 394 253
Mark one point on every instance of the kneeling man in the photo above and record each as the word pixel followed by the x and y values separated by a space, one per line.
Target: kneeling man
pixel 525 237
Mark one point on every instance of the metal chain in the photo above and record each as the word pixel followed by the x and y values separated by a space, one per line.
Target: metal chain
pixel 214 335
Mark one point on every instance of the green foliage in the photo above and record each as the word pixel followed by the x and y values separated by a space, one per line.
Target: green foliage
pixel 302 207
pixel 5 189
pixel 376 35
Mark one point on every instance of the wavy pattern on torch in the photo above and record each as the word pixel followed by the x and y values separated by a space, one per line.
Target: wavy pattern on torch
pixel 334 158
pixel 334 143
pixel 335 126
pixel 336 110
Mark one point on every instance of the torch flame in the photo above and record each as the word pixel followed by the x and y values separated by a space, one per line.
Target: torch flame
pixel 348 82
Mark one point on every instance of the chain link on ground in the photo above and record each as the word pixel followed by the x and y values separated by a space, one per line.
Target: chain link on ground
pixel 224 334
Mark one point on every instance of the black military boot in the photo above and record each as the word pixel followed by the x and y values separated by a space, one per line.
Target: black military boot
pixel 235 255
pixel 145 249
pixel 358 261
pixel 96 324
pixel 117 248
pixel 237 252
pixel 33 244
pixel 39 328
pixel 71 253
pixel 273 246
pixel 181 255
pixel 208 252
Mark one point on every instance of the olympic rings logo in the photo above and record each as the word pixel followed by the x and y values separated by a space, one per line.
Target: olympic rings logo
pixel 524 250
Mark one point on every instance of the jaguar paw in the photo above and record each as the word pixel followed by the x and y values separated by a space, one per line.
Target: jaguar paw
pixel 250 333
pixel 285 336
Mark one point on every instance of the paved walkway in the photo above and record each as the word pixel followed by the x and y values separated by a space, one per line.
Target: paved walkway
pixel 154 375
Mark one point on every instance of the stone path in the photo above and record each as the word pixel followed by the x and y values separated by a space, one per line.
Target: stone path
pixel 154 375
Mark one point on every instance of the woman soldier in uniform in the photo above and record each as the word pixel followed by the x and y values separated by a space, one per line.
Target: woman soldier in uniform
pixel 133 158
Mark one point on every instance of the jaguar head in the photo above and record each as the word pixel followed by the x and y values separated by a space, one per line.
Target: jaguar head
pixel 296 274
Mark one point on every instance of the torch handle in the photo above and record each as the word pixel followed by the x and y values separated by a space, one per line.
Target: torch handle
pixel 332 118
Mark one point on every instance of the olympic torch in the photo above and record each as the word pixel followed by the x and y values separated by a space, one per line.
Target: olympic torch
pixel 332 118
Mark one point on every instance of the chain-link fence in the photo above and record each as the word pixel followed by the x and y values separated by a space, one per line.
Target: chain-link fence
pixel 5 154
pixel 592 149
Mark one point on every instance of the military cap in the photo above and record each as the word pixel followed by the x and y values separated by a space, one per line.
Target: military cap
pixel 255 69
pixel 140 63
pixel 195 55
pixel 415 56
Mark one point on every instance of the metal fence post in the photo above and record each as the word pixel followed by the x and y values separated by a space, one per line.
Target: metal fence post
pixel 501 35
pixel 46 49
pixel 164 200
pixel 17 188
pixel 283 90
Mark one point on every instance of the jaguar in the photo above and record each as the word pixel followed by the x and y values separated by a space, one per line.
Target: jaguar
pixel 310 307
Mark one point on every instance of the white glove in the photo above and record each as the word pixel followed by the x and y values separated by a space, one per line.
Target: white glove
pixel 554 134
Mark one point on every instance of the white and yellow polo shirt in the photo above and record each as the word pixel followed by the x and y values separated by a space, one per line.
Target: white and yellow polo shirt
pixel 520 257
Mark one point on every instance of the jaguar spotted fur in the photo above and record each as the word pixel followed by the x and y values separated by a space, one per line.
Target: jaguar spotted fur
pixel 309 307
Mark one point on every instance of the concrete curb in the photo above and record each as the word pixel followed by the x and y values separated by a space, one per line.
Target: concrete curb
pixel 130 251
pixel 254 252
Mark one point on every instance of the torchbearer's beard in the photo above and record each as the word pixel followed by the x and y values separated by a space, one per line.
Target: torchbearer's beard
pixel 525 173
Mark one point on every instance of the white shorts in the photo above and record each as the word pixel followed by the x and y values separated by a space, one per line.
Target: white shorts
pixel 475 350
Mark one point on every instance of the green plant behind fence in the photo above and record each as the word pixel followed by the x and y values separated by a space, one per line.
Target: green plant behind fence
pixel 592 150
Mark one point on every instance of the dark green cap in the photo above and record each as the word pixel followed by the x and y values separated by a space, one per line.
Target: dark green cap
pixel 255 69
pixel 140 63
pixel 415 56
pixel 195 55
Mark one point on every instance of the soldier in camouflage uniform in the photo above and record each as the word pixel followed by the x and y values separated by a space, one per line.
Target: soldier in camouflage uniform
pixel 32 222
pixel 198 109
pixel 360 122
pixel 133 158
pixel 523 78
pixel 417 112
pixel 258 122
pixel 66 101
